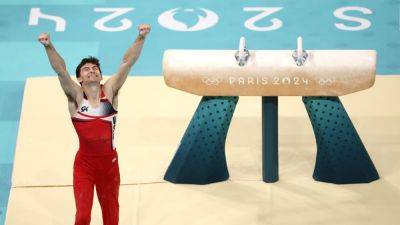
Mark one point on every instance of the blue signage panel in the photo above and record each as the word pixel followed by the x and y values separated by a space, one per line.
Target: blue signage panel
pixel 111 26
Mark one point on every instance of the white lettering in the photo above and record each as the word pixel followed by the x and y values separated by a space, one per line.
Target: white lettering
pixel 115 12
pixel 36 14
pixel 232 80
pixel 364 23
pixel 241 80
pixel 250 23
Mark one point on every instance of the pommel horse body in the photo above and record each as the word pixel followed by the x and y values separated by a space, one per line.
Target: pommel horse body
pixel 319 76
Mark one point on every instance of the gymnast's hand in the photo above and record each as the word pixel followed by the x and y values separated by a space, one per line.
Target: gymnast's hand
pixel 144 29
pixel 44 38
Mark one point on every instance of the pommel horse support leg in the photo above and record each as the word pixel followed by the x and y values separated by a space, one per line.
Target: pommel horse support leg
pixel 200 158
pixel 270 139
pixel 341 155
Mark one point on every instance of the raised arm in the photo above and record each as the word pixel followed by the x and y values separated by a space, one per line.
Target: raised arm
pixel 57 62
pixel 130 57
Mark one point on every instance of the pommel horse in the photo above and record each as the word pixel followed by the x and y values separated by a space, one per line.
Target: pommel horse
pixel 319 76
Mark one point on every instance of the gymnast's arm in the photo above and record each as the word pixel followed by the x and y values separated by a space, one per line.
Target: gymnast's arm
pixel 71 88
pixel 130 57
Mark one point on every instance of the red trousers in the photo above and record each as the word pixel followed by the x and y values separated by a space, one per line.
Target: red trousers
pixel 101 172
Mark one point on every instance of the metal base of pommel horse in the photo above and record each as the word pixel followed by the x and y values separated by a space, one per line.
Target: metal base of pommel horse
pixel 319 76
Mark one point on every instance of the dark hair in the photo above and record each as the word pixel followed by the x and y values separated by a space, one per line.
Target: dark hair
pixel 89 59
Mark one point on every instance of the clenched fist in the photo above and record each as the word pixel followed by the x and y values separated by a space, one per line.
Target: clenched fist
pixel 44 38
pixel 144 29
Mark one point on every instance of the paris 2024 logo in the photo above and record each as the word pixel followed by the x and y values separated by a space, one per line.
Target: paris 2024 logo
pixel 188 20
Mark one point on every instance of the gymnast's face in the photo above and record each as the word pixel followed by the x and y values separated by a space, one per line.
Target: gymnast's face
pixel 90 73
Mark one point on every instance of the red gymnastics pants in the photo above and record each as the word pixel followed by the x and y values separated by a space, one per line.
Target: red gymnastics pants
pixel 101 172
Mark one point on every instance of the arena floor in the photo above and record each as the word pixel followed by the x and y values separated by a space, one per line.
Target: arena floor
pixel 149 129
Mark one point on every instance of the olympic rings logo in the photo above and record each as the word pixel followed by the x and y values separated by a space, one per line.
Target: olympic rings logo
pixel 326 81
pixel 211 80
